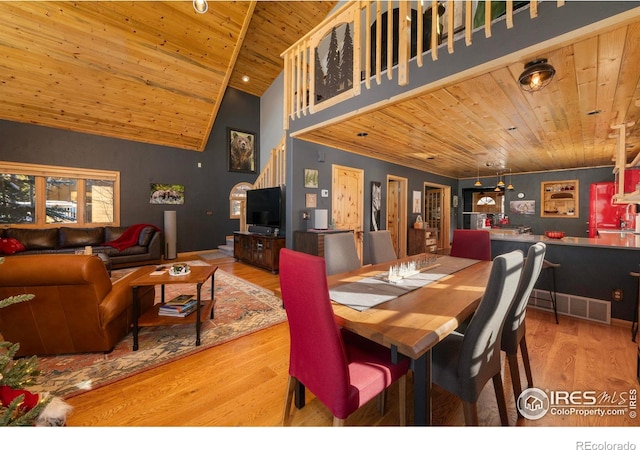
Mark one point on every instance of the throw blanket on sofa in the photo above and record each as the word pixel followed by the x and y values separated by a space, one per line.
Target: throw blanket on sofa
pixel 130 236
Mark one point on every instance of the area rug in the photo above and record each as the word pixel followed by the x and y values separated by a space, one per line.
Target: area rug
pixel 241 308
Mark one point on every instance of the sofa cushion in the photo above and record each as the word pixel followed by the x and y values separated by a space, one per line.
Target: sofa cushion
pixel 35 239
pixel 113 233
pixel 79 237
pixel 9 246
pixel 145 236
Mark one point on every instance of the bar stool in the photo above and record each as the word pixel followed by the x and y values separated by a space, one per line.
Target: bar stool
pixel 549 266
pixel 634 324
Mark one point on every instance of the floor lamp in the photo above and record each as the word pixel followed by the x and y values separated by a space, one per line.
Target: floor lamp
pixel 170 234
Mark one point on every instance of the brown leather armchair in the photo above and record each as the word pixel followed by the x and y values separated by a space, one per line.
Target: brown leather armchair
pixel 76 308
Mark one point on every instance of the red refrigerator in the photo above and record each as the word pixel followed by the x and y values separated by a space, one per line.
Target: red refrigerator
pixel 603 213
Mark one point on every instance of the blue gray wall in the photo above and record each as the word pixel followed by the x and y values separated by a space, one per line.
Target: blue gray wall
pixel 203 220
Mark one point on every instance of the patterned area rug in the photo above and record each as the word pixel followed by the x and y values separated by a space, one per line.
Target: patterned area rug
pixel 241 308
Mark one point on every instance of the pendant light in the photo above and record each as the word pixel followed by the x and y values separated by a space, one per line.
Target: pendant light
pixel 510 186
pixel 537 74
pixel 500 182
pixel 478 183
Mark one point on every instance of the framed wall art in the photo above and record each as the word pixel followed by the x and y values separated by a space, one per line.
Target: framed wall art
pixel 311 178
pixel 166 194
pixel 376 202
pixel 243 151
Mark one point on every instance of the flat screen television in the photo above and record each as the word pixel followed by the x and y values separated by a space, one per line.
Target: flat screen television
pixel 264 207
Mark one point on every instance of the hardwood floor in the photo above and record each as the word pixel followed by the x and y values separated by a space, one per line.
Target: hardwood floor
pixel 242 382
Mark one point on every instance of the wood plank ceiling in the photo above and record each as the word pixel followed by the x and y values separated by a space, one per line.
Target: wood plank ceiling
pixel 156 72
pixel 143 71
pixel 485 123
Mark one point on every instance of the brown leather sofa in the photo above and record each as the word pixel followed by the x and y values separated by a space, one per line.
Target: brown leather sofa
pixel 148 249
pixel 76 308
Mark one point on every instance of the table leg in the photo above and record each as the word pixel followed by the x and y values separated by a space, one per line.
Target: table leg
pixel 136 314
pixel 198 315
pixel 422 390
pixel 213 303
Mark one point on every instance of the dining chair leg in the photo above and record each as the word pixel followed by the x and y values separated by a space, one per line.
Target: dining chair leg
pixel 525 360
pixel 338 422
pixel 291 386
pixel 515 375
pixel 502 403
pixel 470 413
pixel 402 400
pixel 381 402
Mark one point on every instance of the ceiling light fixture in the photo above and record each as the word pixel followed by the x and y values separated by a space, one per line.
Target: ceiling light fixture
pixel 478 183
pixel 510 186
pixel 245 78
pixel 537 74
pixel 200 6
pixel 500 182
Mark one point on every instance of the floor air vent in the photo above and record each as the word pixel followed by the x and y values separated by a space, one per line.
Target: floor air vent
pixel 573 305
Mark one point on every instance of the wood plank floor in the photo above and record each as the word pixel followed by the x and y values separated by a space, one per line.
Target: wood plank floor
pixel 242 383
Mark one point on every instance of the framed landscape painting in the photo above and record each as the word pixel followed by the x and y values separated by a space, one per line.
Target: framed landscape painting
pixel 243 151
pixel 166 194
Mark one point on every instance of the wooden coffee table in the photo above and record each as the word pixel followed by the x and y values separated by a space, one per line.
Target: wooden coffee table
pixel 198 275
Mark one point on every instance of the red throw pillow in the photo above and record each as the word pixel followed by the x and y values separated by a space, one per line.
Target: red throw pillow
pixel 9 246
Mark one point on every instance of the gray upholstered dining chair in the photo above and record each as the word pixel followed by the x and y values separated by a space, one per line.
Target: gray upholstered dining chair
pixel 463 364
pixel 381 247
pixel 340 253
pixel 513 332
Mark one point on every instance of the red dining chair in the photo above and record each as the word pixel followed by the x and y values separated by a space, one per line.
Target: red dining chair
pixel 474 244
pixel 344 371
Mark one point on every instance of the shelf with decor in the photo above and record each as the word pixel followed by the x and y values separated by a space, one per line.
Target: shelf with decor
pixel 559 199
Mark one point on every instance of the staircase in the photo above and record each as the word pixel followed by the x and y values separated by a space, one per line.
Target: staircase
pixel 227 248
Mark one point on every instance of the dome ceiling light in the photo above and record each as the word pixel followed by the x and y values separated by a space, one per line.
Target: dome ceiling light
pixel 537 74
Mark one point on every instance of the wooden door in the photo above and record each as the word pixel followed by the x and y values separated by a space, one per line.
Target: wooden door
pixel 393 212
pixel 437 212
pixel 397 219
pixel 347 210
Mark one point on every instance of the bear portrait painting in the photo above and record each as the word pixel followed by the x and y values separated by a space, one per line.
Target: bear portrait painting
pixel 243 153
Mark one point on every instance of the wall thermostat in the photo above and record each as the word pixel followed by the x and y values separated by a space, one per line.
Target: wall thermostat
pixel 324 193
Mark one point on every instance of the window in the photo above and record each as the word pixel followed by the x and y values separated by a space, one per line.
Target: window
pixel 50 196
pixel 238 199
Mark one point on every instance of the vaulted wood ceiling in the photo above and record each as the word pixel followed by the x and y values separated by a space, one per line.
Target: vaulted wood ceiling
pixel 156 72
pixel 145 71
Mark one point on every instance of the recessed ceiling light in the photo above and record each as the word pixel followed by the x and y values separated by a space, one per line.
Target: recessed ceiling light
pixel 245 78
pixel 362 134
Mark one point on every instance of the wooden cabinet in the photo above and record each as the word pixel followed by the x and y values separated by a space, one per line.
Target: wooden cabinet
pixel 311 241
pixel 422 240
pixel 559 199
pixel 258 249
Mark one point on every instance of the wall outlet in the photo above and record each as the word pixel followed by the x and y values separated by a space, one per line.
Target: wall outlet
pixel 324 192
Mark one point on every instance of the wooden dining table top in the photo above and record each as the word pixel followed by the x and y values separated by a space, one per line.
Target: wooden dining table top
pixel 414 322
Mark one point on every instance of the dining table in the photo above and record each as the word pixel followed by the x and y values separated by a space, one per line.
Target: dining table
pixel 422 313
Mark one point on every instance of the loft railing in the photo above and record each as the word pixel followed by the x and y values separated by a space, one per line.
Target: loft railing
pixel 273 173
pixel 326 65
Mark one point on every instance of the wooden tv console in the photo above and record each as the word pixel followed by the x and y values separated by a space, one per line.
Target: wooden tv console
pixel 261 250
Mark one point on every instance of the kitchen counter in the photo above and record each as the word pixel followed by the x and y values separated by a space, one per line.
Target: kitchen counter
pixel 590 268
pixel 625 240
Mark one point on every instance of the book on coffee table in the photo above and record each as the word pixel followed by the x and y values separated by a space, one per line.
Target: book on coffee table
pixel 179 300
pixel 178 311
